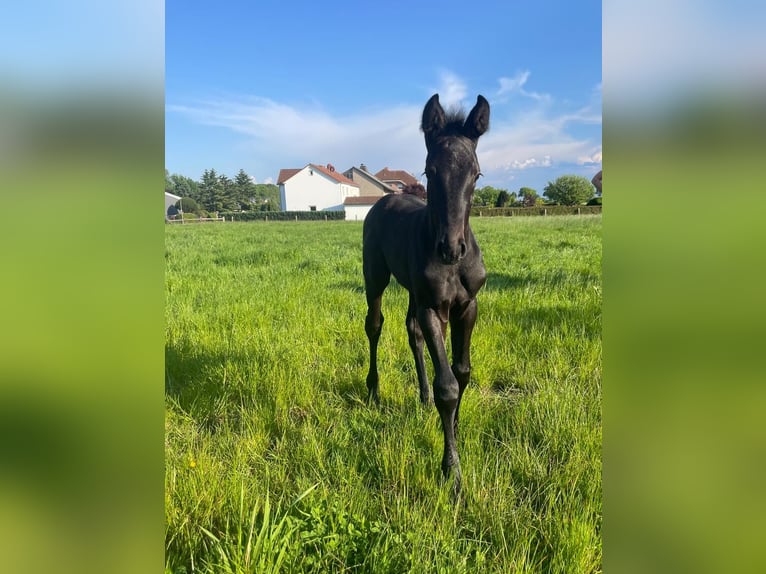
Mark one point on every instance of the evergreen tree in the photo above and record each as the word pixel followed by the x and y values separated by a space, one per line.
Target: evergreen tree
pixel 229 199
pixel 211 191
pixel 245 190
pixel 503 198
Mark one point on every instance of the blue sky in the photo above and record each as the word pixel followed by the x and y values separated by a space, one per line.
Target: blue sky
pixel 276 84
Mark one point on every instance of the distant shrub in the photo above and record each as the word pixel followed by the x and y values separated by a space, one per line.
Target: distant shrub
pixel 594 201
pixel 537 210
pixel 284 215
pixel 188 205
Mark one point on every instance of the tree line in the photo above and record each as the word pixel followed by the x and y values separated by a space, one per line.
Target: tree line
pixel 216 192
pixel 565 190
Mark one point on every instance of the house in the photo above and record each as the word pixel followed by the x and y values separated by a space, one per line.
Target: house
pixel 396 177
pixel 358 207
pixel 170 202
pixel 314 188
pixel 369 185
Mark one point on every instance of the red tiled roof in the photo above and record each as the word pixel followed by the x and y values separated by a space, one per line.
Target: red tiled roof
pixel 386 174
pixel 337 176
pixel 285 174
pixel 362 200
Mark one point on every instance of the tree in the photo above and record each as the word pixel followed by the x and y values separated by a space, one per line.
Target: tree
pixel 267 197
pixel 485 196
pixel 229 194
pixel 528 196
pixel 183 186
pixel 245 190
pixel 211 191
pixel 503 198
pixel 569 190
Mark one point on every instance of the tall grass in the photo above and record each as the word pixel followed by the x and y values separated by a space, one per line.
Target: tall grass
pixel 275 463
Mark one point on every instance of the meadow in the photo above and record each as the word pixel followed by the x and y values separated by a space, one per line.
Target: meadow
pixel 275 463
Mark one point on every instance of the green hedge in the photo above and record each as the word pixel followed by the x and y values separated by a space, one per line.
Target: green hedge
pixel 537 210
pixel 284 215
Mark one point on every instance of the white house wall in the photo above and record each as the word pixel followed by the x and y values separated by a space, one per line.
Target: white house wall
pixel 310 187
pixel 357 212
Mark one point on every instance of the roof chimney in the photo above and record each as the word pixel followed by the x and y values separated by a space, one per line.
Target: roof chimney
pixel 363 167
pixel 331 167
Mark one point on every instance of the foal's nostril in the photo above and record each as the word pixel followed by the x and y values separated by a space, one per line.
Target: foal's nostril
pixel 463 249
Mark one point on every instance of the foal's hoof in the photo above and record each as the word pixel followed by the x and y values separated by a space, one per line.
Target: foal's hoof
pixel 457 481
pixel 372 396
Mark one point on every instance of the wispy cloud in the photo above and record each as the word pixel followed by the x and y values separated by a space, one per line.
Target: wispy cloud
pixel 515 85
pixel 531 162
pixel 452 90
pixel 291 135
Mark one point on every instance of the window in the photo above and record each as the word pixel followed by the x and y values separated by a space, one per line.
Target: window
pixel 312 207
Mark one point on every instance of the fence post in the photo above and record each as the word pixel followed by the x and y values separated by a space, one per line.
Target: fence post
pixel 578 211
pixel 296 218
pixel 545 212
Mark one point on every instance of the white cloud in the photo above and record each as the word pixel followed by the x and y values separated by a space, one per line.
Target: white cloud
pixel 281 135
pixel 545 161
pixel 593 158
pixel 452 90
pixel 515 85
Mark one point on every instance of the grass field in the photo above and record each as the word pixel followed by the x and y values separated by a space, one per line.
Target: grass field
pixel 275 463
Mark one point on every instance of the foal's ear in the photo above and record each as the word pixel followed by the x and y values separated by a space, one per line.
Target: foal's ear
pixel 434 118
pixel 478 120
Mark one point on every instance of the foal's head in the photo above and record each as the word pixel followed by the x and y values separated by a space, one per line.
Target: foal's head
pixel 452 169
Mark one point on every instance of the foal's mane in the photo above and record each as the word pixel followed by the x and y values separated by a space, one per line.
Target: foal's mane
pixel 454 118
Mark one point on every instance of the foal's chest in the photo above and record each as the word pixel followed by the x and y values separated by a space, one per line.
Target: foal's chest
pixel 442 285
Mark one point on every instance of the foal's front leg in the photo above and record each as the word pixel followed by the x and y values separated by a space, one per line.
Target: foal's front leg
pixel 446 388
pixel 461 328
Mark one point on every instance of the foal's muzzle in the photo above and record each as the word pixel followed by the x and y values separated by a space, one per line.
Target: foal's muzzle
pixel 451 251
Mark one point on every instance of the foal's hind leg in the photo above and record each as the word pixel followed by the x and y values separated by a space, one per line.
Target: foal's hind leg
pixel 373 325
pixel 376 278
pixel 415 335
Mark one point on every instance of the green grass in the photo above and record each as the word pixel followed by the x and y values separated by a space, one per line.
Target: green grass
pixel 275 463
